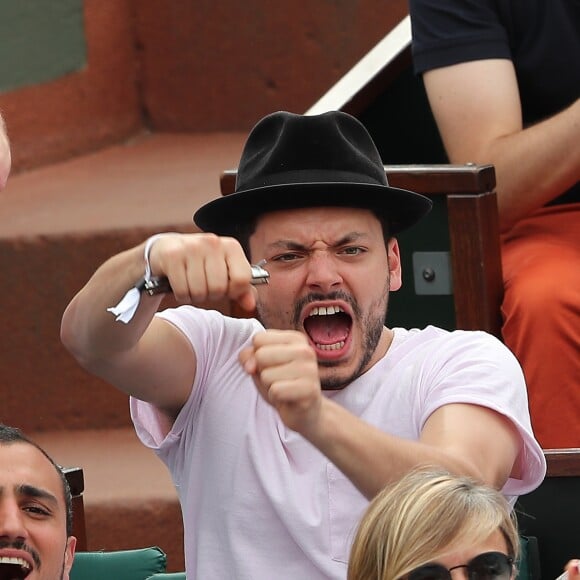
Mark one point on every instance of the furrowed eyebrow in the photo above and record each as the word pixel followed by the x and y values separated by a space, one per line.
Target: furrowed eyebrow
pixel 32 491
pixel 287 245
pixel 351 237
pixel 292 245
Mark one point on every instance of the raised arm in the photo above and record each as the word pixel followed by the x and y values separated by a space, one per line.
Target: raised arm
pixel 477 108
pixel 148 358
pixel 455 436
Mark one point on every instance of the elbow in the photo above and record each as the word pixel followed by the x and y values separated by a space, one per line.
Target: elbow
pixel 93 350
pixel 83 355
pixel 70 338
pixel 509 212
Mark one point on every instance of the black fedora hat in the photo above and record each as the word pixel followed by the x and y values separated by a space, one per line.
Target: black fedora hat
pixel 296 161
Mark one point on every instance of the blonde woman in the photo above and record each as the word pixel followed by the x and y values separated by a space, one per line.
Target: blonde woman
pixel 432 523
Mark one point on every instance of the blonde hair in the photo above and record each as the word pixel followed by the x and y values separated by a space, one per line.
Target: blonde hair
pixel 418 519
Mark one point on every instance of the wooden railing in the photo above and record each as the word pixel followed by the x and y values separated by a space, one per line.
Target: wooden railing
pixel 76 482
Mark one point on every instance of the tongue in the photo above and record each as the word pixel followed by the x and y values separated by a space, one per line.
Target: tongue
pixel 327 329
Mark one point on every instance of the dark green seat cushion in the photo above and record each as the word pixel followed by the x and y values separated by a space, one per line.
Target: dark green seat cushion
pixel 173 576
pixel 138 564
pixel 528 565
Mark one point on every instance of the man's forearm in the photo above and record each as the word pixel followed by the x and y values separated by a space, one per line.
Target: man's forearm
pixel 88 330
pixel 535 165
pixel 371 458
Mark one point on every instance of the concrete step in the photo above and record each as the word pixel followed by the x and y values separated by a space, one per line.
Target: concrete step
pixel 130 500
pixel 58 224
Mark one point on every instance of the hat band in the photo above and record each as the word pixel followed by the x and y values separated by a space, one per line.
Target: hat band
pixel 309 176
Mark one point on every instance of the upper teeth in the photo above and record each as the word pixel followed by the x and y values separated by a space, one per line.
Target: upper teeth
pixel 18 561
pixel 325 310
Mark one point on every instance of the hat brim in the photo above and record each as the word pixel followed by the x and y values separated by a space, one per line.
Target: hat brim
pixel 400 207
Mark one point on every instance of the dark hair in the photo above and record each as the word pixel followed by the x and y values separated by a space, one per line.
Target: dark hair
pixel 244 230
pixel 11 435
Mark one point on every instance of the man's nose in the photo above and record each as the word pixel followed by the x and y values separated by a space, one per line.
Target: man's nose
pixel 323 272
pixel 11 521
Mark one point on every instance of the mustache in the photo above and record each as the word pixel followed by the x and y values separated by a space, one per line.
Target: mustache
pixel 21 545
pixel 316 297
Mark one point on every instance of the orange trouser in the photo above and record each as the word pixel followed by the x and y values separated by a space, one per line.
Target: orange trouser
pixel 541 310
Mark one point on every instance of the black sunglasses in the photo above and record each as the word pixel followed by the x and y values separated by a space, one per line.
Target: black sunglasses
pixel 486 566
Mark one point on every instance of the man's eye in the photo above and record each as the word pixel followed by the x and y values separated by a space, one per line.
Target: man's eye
pixel 286 257
pixel 352 251
pixel 36 510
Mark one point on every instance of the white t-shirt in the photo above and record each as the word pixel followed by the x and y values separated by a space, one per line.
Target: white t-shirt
pixel 259 501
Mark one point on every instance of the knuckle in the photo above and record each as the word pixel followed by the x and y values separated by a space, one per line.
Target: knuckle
pixel 172 252
pixel 230 243
pixel 210 240
pixel 305 351
pixel 217 290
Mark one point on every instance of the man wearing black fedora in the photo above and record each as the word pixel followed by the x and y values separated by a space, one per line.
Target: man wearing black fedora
pixel 278 429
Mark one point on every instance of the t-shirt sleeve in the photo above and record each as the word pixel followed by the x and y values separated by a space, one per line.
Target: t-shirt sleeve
pixel 448 32
pixel 476 368
pixel 216 340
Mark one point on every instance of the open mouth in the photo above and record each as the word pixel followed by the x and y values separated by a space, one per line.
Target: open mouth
pixel 328 327
pixel 12 568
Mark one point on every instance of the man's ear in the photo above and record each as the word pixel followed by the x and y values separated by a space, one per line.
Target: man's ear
pixel 69 555
pixel 394 257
